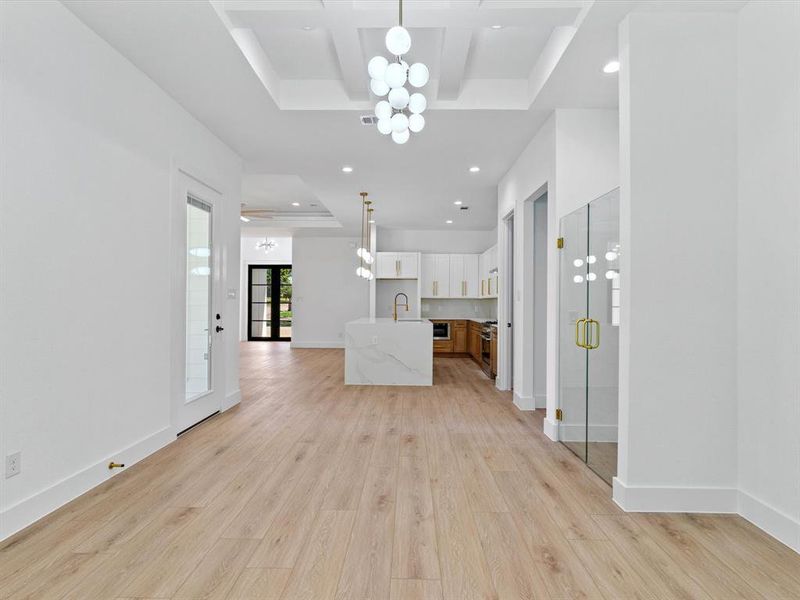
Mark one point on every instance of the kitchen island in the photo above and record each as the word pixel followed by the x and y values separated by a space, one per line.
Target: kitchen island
pixel 382 351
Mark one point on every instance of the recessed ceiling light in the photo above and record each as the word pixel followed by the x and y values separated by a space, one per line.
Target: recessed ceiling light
pixel 497 26
pixel 295 204
pixel 458 203
pixel 244 219
pixel 611 67
pixel 307 28
pixel 449 221
pixel 474 169
pixel 347 169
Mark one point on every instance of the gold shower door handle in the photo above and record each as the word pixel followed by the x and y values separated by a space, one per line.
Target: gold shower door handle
pixel 592 334
pixel 578 342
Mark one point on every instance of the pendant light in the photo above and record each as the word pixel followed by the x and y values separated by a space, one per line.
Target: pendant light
pixel 365 243
pixel 400 114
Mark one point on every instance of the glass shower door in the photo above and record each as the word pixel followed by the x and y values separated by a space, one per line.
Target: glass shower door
pixel 572 319
pixel 602 382
pixel 589 333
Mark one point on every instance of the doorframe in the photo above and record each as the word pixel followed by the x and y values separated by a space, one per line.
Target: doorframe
pixel 185 182
pixel 505 367
pixel 250 268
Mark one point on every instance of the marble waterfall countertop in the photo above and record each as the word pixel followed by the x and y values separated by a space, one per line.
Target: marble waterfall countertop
pixel 382 351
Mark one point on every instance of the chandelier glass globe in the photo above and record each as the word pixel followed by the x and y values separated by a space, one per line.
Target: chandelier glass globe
pixel 379 87
pixel 385 126
pixel 383 110
pixel 400 137
pixel 377 67
pixel 418 75
pixel 395 76
pixel 400 114
pixel 416 103
pixel 398 40
pixel 399 122
pixel 398 98
pixel 416 123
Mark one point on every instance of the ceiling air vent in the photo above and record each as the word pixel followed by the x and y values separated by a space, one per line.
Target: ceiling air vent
pixel 369 120
pixel 464 207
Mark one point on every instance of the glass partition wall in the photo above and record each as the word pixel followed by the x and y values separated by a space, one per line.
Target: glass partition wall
pixel 589 333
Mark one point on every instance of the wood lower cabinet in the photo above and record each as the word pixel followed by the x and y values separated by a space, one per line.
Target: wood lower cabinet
pixel 474 341
pixel 443 346
pixel 458 335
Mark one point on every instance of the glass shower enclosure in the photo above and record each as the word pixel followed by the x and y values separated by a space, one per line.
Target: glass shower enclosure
pixel 589 311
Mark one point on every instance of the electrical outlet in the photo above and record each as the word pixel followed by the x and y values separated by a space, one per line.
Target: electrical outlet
pixel 13 464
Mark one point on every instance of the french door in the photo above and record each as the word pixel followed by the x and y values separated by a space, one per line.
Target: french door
pixel 269 312
pixel 589 307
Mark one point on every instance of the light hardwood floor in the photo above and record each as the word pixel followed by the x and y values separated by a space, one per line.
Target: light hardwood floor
pixel 312 490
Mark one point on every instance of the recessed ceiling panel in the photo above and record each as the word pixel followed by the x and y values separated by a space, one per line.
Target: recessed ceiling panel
pixel 507 53
pixel 300 53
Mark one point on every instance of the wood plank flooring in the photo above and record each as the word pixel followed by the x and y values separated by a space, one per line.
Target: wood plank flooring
pixel 312 490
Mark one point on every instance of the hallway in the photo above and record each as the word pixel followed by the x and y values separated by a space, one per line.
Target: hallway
pixel 313 490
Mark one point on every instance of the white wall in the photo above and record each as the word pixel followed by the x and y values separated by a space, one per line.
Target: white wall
pixel 768 275
pixel 251 254
pixel 678 213
pixel 574 158
pixel 435 241
pixel 532 174
pixel 89 151
pixel 540 325
pixel 327 293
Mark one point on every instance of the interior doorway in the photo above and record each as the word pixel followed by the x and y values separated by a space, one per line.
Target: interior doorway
pixel 508 296
pixel 589 316
pixel 269 303
pixel 540 327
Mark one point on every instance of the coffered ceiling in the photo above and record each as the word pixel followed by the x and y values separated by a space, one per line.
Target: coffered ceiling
pixel 482 54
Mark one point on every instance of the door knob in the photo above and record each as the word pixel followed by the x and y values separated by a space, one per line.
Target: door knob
pixel 220 329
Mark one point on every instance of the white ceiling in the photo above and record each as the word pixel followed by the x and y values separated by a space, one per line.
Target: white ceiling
pixel 288 100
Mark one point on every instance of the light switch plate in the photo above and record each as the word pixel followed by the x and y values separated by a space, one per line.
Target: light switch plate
pixel 13 464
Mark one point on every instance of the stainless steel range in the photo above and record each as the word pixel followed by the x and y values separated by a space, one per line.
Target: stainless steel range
pixel 486 347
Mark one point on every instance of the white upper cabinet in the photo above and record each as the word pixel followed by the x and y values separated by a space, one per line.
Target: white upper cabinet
pixel 488 273
pixel 472 275
pixel 456 276
pixel 397 265
pixel 436 276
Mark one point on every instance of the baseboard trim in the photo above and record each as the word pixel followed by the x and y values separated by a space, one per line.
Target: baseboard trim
pixel 550 429
pixel 317 344
pixel 231 400
pixel 779 525
pixel 524 402
pixel 674 499
pixel 540 400
pixel 31 509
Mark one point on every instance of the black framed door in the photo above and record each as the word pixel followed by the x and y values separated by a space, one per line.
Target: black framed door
pixel 269 306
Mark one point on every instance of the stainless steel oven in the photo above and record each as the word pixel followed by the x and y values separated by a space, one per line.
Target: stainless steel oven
pixel 486 351
pixel 441 330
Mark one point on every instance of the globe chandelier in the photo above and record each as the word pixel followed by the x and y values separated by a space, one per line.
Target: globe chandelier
pixel 401 113
pixel 365 243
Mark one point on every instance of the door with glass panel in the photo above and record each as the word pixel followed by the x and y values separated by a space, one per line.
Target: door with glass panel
pixel 270 303
pixel 203 385
pixel 589 333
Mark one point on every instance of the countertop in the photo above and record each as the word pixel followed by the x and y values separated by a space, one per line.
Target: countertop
pixel 473 319
pixel 382 320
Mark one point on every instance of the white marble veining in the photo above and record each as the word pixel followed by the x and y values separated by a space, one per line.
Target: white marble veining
pixel 381 351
